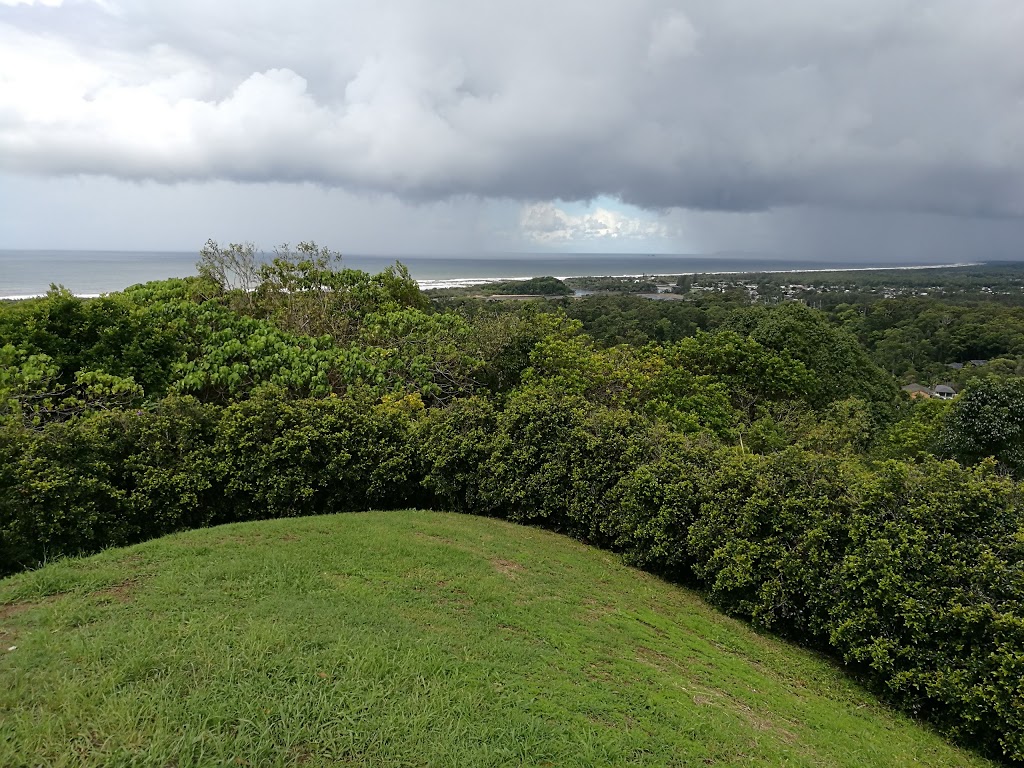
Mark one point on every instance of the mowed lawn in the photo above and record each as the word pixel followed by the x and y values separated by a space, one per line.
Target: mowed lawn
pixel 409 639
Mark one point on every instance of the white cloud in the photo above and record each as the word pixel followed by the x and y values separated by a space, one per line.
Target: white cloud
pixel 672 37
pixel 731 105
pixel 547 224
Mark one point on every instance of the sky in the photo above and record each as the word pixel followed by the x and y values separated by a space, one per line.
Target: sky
pixel 886 129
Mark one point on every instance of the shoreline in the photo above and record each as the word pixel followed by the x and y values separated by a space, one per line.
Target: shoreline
pixel 429 284
pixel 468 282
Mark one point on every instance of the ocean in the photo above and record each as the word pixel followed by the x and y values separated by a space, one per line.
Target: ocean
pixel 27 273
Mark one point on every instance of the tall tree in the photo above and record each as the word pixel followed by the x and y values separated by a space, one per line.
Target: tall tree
pixel 988 420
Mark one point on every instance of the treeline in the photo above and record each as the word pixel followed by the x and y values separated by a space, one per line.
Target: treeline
pixel 991 281
pixel 758 454
pixel 939 317
pixel 917 338
pixel 914 339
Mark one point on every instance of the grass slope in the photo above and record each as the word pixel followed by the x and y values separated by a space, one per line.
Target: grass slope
pixel 413 639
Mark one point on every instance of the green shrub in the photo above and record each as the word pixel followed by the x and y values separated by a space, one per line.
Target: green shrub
pixel 114 478
pixel 927 597
pixel 987 419
pixel 106 479
pixel 279 458
pixel 453 445
pixel 912 573
pixel 554 457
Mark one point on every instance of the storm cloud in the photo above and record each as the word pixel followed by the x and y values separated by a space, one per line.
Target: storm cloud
pixel 909 106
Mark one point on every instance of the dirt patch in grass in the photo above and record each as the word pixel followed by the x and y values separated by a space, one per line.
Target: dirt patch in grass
pixel 599 672
pixel 457 598
pixel 595 609
pixel 656 630
pixel 520 634
pixel 301 753
pixel 9 635
pixel 248 538
pixel 231 540
pixel 507 567
pixel 10 610
pixel 121 592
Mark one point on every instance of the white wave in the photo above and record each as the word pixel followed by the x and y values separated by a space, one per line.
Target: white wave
pixel 464 282
pixel 22 296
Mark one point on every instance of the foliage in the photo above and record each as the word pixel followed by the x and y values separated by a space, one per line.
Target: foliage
pixel 276 458
pixel 840 366
pixel 752 373
pixel 109 479
pixel 30 389
pixel 306 291
pixel 535 286
pixel 758 453
pixel 503 343
pixel 412 351
pixel 230 355
pixel 612 320
pixel 927 597
pixel 988 420
pixel 553 457
pixel 234 268
pixel 115 334
pixel 453 443
pixel 917 434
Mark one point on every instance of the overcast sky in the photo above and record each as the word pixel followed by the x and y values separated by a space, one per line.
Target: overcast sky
pixel 824 128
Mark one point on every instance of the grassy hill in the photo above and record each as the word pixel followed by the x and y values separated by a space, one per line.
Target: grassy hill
pixel 412 639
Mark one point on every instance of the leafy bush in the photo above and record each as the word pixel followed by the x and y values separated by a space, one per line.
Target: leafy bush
pixel 535 286
pixel 453 444
pixel 988 420
pixel 279 458
pixel 109 479
pixel 840 365
pixel 927 597
pixel 106 479
pixel 912 573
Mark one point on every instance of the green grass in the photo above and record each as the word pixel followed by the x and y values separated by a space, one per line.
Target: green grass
pixel 409 639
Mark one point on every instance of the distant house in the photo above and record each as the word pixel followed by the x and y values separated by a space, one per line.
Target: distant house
pixel 944 392
pixel 978 363
pixel 955 366
pixel 917 391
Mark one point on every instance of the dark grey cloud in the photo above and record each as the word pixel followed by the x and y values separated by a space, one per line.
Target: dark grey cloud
pixel 818 233
pixel 717 105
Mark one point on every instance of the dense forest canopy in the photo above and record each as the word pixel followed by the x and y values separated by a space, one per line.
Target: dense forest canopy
pixel 760 450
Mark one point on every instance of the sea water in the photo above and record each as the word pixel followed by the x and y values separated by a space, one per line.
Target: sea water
pixel 89 273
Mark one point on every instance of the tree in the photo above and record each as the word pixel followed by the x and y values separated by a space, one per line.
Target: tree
pixel 234 268
pixel 916 435
pixel 840 365
pixel 988 420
